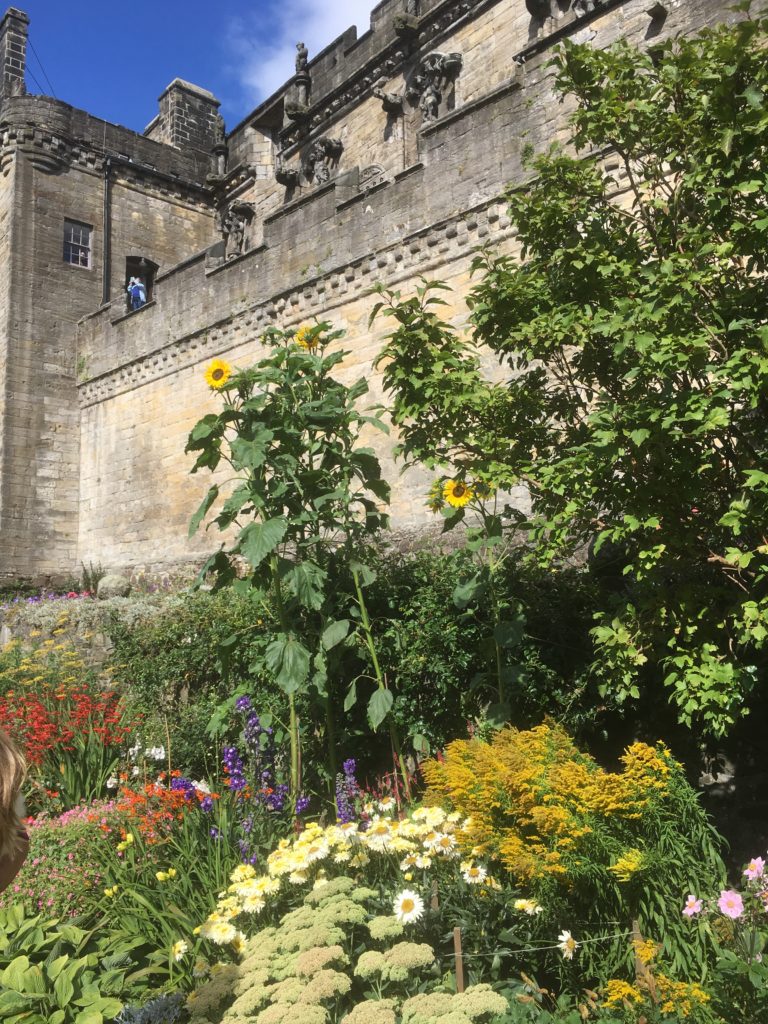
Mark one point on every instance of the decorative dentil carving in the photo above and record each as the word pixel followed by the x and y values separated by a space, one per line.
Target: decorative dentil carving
pixel 322 156
pixel 426 87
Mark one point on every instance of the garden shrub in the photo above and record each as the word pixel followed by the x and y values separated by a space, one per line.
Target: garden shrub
pixel 173 669
pixel 61 876
pixel 169 664
pixel 310 969
pixel 591 846
pixel 175 843
pixel 69 727
pixel 428 642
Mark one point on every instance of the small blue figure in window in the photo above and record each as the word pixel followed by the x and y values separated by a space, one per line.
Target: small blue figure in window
pixel 137 293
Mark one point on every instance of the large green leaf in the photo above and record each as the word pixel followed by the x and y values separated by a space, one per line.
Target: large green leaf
pixel 63 989
pixel 202 512
pixel 258 540
pixel 334 633
pixel 288 660
pixel 13 975
pixel 379 706
pixel 307 580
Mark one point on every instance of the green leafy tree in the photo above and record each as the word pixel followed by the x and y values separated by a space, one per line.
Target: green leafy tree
pixel 303 503
pixel 634 332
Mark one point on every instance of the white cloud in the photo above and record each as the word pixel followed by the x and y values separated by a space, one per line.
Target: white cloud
pixel 263 46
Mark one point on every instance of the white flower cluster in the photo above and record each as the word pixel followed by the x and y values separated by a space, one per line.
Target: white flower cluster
pixel 427 836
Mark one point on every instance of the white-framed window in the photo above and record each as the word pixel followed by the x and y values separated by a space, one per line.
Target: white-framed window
pixel 77 243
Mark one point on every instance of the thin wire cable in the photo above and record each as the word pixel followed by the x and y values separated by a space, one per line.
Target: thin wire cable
pixel 45 73
pixel 32 75
pixel 534 949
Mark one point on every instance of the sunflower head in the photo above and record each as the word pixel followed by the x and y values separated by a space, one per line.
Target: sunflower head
pixel 305 338
pixel 457 493
pixel 217 374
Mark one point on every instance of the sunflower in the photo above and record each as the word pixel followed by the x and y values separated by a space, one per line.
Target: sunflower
pixel 304 338
pixel 457 493
pixel 217 374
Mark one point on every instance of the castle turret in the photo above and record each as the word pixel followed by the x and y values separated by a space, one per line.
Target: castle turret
pixel 189 118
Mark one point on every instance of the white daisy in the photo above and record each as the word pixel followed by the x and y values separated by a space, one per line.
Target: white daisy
pixel 567 945
pixel 474 874
pixel 408 906
pixel 529 907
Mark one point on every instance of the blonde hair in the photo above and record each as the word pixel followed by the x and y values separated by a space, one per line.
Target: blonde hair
pixel 13 770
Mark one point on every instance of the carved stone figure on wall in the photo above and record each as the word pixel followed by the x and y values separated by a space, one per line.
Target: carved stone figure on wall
pixel 321 158
pixel 219 159
pixel 302 80
pixel 540 8
pixel 390 101
pixel 302 59
pixel 549 8
pixel 429 103
pixel 426 88
pixel 287 176
pixel 232 222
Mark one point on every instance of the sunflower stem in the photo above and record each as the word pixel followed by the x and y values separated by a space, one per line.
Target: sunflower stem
pixel 293 726
pixel 381 681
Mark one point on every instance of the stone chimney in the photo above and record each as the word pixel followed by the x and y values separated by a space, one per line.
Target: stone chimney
pixel 189 118
pixel 14 29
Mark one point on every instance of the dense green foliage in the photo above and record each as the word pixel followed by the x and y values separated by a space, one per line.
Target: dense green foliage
pixel 634 333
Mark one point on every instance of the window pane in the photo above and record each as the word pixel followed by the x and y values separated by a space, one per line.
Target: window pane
pixel 77 243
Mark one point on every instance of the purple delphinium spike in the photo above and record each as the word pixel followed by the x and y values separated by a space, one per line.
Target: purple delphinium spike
pixel 233 766
pixel 347 790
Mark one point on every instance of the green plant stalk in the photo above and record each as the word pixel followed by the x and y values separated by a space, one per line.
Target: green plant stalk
pixel 366 624
pixel 293 725
pixel 330 730
pixel 492 566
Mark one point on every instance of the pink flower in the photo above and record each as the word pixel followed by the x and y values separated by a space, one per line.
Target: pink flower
pixel 755 868
pixel 692 906
pixel 730 903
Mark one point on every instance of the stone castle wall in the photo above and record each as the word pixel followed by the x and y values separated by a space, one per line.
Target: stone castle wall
pixel 52 169
pixel 349 176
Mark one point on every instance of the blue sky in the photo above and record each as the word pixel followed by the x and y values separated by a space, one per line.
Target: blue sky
pixel 114 60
